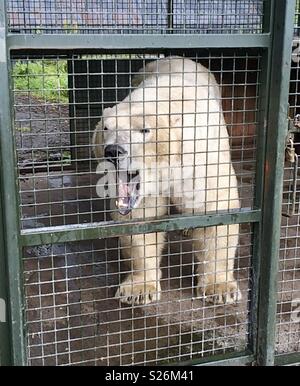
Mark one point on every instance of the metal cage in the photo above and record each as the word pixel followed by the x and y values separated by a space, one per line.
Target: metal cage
pixel 92 282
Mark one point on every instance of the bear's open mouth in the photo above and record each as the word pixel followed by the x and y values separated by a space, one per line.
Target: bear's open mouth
pixel 128 186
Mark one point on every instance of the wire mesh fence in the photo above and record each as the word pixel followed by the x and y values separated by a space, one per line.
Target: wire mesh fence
pixel 297 20
pixel 73 316
pixel 288 307
pixel 135 16
pixel 58 101
pixel 108 138
pixel 149 298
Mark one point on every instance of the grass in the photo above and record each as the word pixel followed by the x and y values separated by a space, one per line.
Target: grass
pixel 43 79
pixel 48 79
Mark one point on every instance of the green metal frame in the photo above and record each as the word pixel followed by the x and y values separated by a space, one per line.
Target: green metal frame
pixel 59 234
pixel 145 42
pixel 275 45
pixel 5 337
pixel 280 57
pixel 10 206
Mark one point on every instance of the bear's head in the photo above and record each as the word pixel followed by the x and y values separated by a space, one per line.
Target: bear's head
pixel 141 136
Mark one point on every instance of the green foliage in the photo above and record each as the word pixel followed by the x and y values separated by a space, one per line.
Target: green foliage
pixel 43 79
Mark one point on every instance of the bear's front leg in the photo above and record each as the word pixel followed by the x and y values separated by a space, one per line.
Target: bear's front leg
pixel 215 249
pixel 143 253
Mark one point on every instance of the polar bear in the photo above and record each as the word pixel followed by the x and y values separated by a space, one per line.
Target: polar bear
pixel 168 141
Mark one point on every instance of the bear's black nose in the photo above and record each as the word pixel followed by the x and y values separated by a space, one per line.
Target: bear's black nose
pixel 113 152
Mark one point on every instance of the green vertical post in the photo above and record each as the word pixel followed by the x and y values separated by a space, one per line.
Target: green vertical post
pixel 258 197
pixel 277 123
pixel 267 15
pixel 10 207
pixel 5 337
pixel 170 16
pixel 264 87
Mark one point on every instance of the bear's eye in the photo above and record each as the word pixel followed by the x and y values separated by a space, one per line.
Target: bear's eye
pixel 144 131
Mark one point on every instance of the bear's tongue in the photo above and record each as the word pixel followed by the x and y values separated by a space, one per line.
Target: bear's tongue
pixel 126 192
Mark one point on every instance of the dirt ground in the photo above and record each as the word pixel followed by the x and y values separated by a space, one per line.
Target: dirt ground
pixel 72 316
pixel 40 125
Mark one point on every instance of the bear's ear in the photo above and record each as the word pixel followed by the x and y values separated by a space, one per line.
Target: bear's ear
pixel 106 111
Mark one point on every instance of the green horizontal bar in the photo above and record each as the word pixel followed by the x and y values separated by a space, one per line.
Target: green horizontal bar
pixel 109 41
pixel 67 233
pixel 287 359
pixel 238 361
pixel 229 359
